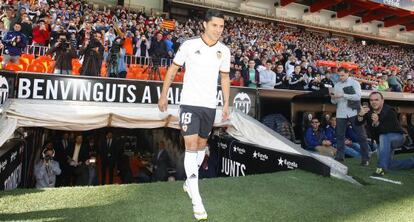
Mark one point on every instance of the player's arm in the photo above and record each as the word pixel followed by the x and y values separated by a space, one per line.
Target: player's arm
pixel 225 83
pixel 169 78
pixel 225 87
pixel 179 60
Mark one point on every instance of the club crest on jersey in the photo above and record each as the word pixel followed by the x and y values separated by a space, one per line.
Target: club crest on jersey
pixel 184 128
pixel 219 54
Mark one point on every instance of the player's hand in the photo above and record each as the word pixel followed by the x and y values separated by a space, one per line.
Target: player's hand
pixel 225 113
pixel 162 104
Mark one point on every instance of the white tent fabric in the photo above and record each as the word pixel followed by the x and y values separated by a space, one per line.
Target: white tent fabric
pixel 249 130
pixel 7 128
pixel 80 116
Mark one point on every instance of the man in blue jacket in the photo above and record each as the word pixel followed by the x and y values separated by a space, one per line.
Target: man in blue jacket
pixel 315 139
pixel 351 147
pixel 14 43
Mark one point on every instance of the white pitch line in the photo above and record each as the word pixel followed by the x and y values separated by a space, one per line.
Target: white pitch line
pixel 386 180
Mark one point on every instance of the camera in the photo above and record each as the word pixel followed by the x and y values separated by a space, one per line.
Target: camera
pixel 63 44
pixel 47 158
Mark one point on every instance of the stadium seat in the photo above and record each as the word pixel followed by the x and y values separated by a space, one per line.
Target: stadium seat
pixel 51 67
pixel 163 72
pixel 135 72
pixel 324 117
pixel 104 71
pixel 44 58
pixel 76 62
pixel 76 68
pixel 36 67
pixel 14 67
pixel 25 62
pixel 40 63
pixel 30 57
pixel 306 119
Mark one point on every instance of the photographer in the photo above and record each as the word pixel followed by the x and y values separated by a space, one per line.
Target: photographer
pixel 382 121
pixel 14 43
pixel 158 50
pixel 63 54
pixel 46 169
pixel 115 59
pixel 93 52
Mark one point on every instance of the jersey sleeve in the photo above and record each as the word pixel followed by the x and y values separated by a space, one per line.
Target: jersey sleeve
pixel 181 54
pixel 225 63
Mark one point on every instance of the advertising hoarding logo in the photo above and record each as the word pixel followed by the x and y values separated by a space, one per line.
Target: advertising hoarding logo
pixel 289 164
pixel 4 90
pixel 260 156
pixel 239 150
pixel 242 102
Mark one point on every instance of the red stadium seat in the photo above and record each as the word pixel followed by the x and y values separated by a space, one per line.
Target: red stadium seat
pixel 14 67
pixel 36 67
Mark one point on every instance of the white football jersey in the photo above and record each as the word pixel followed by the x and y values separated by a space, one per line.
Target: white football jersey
pixel 202 66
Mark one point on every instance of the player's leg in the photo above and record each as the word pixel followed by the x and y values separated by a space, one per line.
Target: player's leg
pixel 190 125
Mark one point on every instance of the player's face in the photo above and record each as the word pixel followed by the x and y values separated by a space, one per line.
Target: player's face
pixel 214 28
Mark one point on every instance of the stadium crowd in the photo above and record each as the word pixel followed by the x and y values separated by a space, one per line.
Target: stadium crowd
pixel 119 37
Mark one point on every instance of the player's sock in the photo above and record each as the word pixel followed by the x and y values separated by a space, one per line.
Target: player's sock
pixel 200 156
pixel 191 170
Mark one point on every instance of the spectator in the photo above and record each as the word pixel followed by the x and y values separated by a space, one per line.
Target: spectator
pixel 326 81
pixel 169 44
pixel 409 87
pixel 316 140
pixel 161 163
pixel 63 54
pixel 297 81
pixel 46 169
pixel 383 83
pixel 108 153
pixel 92 153
pixel 315 84
pixel 63 146
pixel 395 82
pixel 351 148
pixel 158 50
pixel 143 46
pixel 238 79
pixel 251 75
pixel 281 78
pixel 40 34
pixel 114 57
pixel 347 95
pixel 267 76
pixel 93 56
pixel 383 122
pixel 79 162
pixel 14 42
pixel 27 28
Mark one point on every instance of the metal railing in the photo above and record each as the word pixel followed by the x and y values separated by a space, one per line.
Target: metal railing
pixel 128 59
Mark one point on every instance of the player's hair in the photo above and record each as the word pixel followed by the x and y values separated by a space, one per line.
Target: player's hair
pixel 213 13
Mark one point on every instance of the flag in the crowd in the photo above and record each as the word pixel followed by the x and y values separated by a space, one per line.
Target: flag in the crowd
pixel 332 48
pixel 168 24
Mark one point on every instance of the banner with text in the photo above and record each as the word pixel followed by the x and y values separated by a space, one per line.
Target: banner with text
pixel 11 160
pixel 240 159
pixel 91 89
